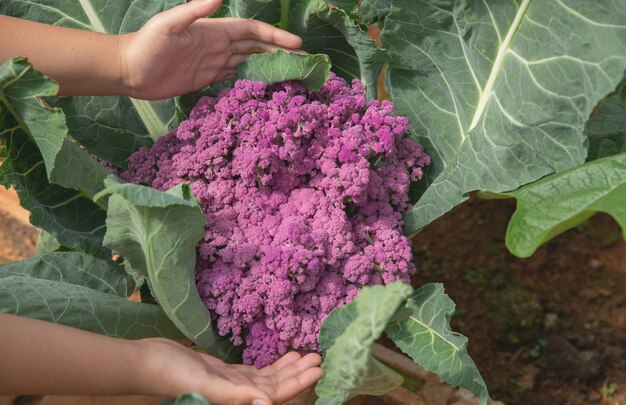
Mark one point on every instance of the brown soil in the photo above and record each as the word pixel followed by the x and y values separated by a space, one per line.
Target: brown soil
pixel 545 330
pixel 17 237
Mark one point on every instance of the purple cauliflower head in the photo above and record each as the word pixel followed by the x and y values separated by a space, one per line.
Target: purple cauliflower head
pixel 303 193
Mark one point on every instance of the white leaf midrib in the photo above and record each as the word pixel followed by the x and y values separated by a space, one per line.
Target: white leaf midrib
pixel 91 14
pixel 153 123
pixel 497 65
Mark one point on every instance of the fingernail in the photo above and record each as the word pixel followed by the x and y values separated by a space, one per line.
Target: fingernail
pixel 259 402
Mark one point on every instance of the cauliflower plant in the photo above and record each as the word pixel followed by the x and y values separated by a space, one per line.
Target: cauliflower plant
pixel 303 193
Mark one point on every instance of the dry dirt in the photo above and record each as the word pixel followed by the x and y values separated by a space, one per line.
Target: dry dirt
pixel 546 330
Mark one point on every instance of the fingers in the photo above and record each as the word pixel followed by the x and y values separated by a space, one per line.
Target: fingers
pixel 240 29
pixel 180 17
pixel 283 380
pixel 235 60
pixel 280 363
pixel 291 387
pixel 306 362
pixel 225 75
pixel 253 46
pixel 296 368
pixel 290 375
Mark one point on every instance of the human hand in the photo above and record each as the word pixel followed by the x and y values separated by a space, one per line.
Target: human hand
pixel 174 369
pixel 178 50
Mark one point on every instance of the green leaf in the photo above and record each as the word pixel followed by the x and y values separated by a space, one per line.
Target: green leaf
pixel 606 130
pixel 74 268
pixel 311 70
pixel 76 169
pixel 349 6
pixel 109 127
pixel 268 11
pixel 21 90
pixel 499 94
pixel 561 201
pixel 39 154
pixel 46 243
pixel 426 336
pixel 157 233
pixel 346 340
pixel 68 215
pixel 354 55
pixel 78 290
pixel 374 11
pixel 83 308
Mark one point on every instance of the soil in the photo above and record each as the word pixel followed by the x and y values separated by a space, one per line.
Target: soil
pixel 550 329
pixel 17 237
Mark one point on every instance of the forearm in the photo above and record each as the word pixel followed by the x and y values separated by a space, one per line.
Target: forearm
pixel 82 62
pixel 38 357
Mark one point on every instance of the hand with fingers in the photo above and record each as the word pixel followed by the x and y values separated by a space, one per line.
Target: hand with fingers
pixel 44 358
pixel 179 50
pixel 176 369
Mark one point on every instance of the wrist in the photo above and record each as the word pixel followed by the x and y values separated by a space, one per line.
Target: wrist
pixel 125 86
pixel 153 374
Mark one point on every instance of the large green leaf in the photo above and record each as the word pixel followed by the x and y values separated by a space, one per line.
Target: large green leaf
pixel 269 11
pixel 157 233
pixel 39 155
pixel 366 11
pixel 83 308
pixel 21 88
pixel 78 290
pixel 374 11
pixel 46 243
pixel 74 268
pixel 354 55
pixel 499 92
pixel 68 215
pixel 311 70
pixel 561 201
pixel 350 6
pixel 109 127
pixel 606 129
pixel 426 336
pixel 346 340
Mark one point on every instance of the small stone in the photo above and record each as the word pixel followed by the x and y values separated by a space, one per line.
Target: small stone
pixel 595 263
pixel 550 320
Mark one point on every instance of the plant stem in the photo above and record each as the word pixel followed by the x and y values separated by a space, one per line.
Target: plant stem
pixel 284 14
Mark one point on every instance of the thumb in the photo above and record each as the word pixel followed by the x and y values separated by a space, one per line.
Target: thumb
pixel 180 17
